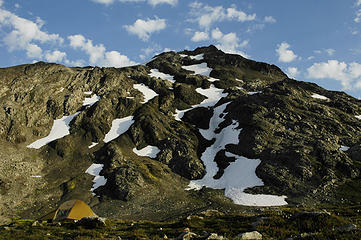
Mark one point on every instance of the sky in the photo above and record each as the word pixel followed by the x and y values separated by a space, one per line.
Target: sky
pixel 316 41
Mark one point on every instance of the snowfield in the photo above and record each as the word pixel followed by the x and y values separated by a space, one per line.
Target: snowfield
pixel 147 92
pixel 358 117
pixel 344 148
pixel 95 170
pixel 91 101
pixel 59 129
pixel 201 69
pixel 148 151
pixel 239 175
pixel 197 57
pixel 93 144
pixel 119 126
pixel 318 96
pixel 155 73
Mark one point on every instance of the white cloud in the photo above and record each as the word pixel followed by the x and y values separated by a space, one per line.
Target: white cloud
pixel 229 43
pixel 269 19
pixel 98 54
pixel 200 36
pixel 106 2
pixel 150 2
pixel 144 28
pixel 217 34
pixel 328 51
pixel 17 5
pixel 25 35
pixel 206 15
pixel 151 50
pixel 349 75
pixel 284 53
pixel 156 2
pixel 358 3
pixel 357 19
pixel 34 51
pixel 55 56
pixel 292 72
pixel 1 2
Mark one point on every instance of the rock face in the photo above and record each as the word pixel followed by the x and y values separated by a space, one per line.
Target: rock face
pixel 307 138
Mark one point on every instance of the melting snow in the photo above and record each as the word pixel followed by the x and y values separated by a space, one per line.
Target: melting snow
pixel 183 55
pixel 164 76
pixel 239 175
pixel 93 144
pixel 344 148
pixel 61 89
pixel 88 93
pixel 59 129
pixel 148 151
pixel 147 92
pixel 119 126
pixel 36 176
pixel 358 117
pixel 91 101
pixel 200 69
pixel 98 181
pixel 197 57
pixel 252 93
pixel 315 95
pixel 213 95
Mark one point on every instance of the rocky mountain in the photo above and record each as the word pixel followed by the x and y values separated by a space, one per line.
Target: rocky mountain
pixel 186 132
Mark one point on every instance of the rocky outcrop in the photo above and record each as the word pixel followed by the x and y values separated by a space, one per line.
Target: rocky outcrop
pixel 296 129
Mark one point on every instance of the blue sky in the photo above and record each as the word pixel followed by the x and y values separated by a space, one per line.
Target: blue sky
pixel 317 41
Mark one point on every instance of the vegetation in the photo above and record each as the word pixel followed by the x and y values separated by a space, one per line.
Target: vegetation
pixel 274 223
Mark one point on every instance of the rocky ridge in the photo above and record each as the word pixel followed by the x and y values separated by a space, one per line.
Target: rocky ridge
pixel 308 139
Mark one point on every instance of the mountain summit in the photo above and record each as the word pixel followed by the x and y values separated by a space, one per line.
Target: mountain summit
pixel 183 133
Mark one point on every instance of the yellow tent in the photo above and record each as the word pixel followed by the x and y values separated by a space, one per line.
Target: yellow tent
pixel 70 210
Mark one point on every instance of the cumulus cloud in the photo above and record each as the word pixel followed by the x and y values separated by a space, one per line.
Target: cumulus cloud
pixel 284 53
pixel 200 36
pixel 144 28
pixel 358 3
pixel 349 75
pixel 292 72
pixel 1 2
pixel 98 54
pixel 328 51
pixel 55 56
pixel 229 43
pixel 150 2
pixel 269 19
pixel 25 35
pixel 206 15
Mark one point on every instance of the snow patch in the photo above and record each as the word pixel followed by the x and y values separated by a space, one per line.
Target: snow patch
pixel 59 129
pixel 358 117
pixel 201 69
pixel 36 176
pixel 147 92
pixel 119 126
pixel 318 96
pixel 164 76
pixel 197 57
pixel 253 93
pixel 93 144
pixel 344 148
pixel 88 93
pixel 213 95
pixel 95 170
pixel 183 55
pixel 61 89
pixel 148 151
pixel 239 175
pixel 91 101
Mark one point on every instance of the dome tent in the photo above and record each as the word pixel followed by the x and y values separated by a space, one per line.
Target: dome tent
pixel 70 210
